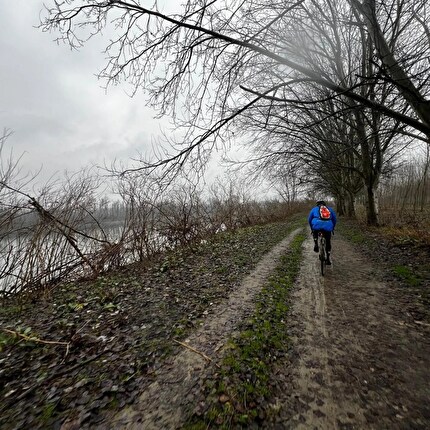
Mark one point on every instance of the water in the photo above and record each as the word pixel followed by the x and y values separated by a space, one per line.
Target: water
pixel 39 258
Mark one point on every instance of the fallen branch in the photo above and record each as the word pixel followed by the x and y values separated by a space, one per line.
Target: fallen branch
pixel 422 323
pixel 35 339
pixel 196 351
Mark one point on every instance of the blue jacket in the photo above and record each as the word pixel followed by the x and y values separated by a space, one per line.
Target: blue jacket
pixel 316 223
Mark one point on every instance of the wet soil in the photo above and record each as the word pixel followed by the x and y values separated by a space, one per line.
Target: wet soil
pixel 359 355
pixel 170 399
pixel 359 359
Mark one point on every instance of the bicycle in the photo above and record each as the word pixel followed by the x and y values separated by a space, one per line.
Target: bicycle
pixel 322 251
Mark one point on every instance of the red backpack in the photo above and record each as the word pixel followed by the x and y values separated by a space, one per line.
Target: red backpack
pixel 324 213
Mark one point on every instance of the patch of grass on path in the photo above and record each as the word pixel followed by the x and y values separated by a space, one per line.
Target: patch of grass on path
pixel 407 275
pixel 237 394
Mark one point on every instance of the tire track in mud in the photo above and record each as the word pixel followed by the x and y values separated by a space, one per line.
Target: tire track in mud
pixel 358 360
pixel 167 402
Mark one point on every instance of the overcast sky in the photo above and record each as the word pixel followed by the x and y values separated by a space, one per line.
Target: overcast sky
pixel 60 116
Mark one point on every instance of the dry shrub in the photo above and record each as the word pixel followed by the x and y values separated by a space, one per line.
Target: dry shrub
pixel 406 224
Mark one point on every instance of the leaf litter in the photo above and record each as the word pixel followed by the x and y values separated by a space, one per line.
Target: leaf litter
pixel 112 334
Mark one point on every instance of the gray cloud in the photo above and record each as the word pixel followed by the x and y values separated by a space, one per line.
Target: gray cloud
pixel 60 115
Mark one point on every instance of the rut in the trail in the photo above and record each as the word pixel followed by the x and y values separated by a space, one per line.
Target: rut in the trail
pixel 359 360
pixel 166 403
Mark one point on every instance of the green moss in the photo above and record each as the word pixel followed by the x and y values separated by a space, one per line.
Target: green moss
pixel 405 273
pixel 47 412
pixel 178 331
pixel 246 368
pixel 221 269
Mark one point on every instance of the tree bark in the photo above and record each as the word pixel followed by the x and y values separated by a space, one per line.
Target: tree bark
pixel 371 207
pixel 340 206
pixel 350 205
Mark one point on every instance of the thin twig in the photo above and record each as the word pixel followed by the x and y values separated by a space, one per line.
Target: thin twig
pixel 68 343
pixel 196 351
pixel 422 323
pixel 81 328
pixel 35 339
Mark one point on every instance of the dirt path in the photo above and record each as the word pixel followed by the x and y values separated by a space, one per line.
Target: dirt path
pixel 166 403
pixel 359 360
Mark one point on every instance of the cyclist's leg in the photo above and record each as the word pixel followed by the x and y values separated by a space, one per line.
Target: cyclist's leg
pixel 327 235
pixel 315 236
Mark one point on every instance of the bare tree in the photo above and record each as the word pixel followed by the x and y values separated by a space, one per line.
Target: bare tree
pixel 45 236
pixel 225 47
pixel 274 57
pixel 400 27
pixel 344 146
pixel 140 196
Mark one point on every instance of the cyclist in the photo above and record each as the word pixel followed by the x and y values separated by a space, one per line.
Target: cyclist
pixel 322 218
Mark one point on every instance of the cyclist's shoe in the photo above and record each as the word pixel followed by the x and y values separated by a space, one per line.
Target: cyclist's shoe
pixel 316 247
pixel 328 261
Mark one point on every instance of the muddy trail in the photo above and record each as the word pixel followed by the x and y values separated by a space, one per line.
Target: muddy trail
pixel 170 399
pixel 357 358
pixel 148 349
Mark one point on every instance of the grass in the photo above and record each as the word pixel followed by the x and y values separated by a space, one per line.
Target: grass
pixel 48 411
pixel 353 233
pixel 407 275
pixel 237 393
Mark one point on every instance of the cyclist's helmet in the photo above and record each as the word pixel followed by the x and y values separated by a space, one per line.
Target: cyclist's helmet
pixel 321 202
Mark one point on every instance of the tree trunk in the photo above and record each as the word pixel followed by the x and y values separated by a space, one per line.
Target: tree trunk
pixel 340 205
pixel 350 205
pixel 371 207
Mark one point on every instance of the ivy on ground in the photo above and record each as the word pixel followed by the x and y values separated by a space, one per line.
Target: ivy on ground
pixel 236 395
pixel 108 336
